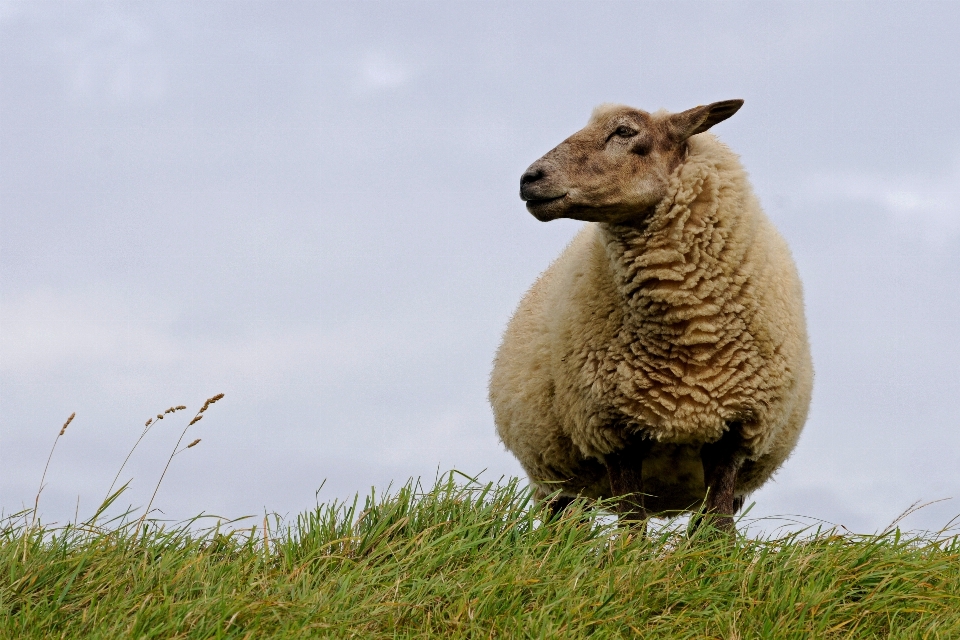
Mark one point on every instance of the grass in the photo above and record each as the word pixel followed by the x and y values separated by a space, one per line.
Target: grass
pixel 459 559
pixel 462 559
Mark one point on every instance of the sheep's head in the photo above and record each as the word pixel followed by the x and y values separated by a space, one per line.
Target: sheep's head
pixel 616 169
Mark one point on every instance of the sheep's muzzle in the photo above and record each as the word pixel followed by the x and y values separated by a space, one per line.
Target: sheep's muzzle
pixel 545 199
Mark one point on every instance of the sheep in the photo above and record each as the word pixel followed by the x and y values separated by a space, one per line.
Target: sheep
pixel 663 358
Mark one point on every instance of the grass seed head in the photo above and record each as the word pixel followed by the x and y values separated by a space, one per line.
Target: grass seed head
pixel 210 401
pixel 196 419
pixel 194 443
pixel 67 423
pixel 147 423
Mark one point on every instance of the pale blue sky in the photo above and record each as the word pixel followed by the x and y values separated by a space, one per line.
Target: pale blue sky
pixel 312 207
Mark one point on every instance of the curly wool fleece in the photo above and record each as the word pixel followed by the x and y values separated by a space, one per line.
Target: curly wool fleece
pixel 676 329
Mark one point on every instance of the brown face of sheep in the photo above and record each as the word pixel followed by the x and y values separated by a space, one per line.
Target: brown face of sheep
pixel 615 169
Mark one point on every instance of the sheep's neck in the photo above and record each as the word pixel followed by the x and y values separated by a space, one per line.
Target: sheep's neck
pixel 683 284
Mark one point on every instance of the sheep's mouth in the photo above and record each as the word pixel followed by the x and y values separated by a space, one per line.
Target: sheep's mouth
pixel 545 208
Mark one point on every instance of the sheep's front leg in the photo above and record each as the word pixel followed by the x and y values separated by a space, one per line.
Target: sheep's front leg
pixel 625 468
pixel 721 462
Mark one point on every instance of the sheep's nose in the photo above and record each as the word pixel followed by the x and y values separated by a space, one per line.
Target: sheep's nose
pixel 531 175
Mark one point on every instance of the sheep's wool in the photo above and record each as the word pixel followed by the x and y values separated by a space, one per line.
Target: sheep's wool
pixel 674 329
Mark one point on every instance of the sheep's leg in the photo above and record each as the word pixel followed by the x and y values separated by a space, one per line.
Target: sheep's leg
pixel 558 504
pixel 721 462
pixel 737 504
pixel 625 468
pixel 555 504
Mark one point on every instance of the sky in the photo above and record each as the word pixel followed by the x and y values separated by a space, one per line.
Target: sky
pixel 312 207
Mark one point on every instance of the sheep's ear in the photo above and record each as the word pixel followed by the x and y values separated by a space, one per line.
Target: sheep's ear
pixel 699 119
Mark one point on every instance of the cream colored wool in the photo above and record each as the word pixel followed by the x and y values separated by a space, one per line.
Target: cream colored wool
pixel 673 330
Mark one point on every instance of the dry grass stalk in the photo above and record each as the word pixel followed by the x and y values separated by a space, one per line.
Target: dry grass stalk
pixel 36 501
pixel 43 477
pixel 176 450
pixel 266 537
pixel 146 428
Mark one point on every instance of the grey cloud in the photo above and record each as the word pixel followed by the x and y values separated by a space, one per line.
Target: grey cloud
pixel 313 208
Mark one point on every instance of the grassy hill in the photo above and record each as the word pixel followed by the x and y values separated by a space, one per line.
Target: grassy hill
pixel 467 560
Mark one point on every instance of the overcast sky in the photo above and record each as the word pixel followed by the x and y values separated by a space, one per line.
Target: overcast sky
pixel 312 208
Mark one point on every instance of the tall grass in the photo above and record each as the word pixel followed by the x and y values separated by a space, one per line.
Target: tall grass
pixel 459 559
pixel 465 559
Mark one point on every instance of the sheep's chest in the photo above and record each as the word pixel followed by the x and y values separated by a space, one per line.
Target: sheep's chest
pixel 664 392
pixel 675 365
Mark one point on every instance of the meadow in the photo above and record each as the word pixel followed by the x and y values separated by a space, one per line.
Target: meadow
pixel 461 558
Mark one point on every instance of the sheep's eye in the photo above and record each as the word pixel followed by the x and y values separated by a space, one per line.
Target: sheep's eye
pixel 625 132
